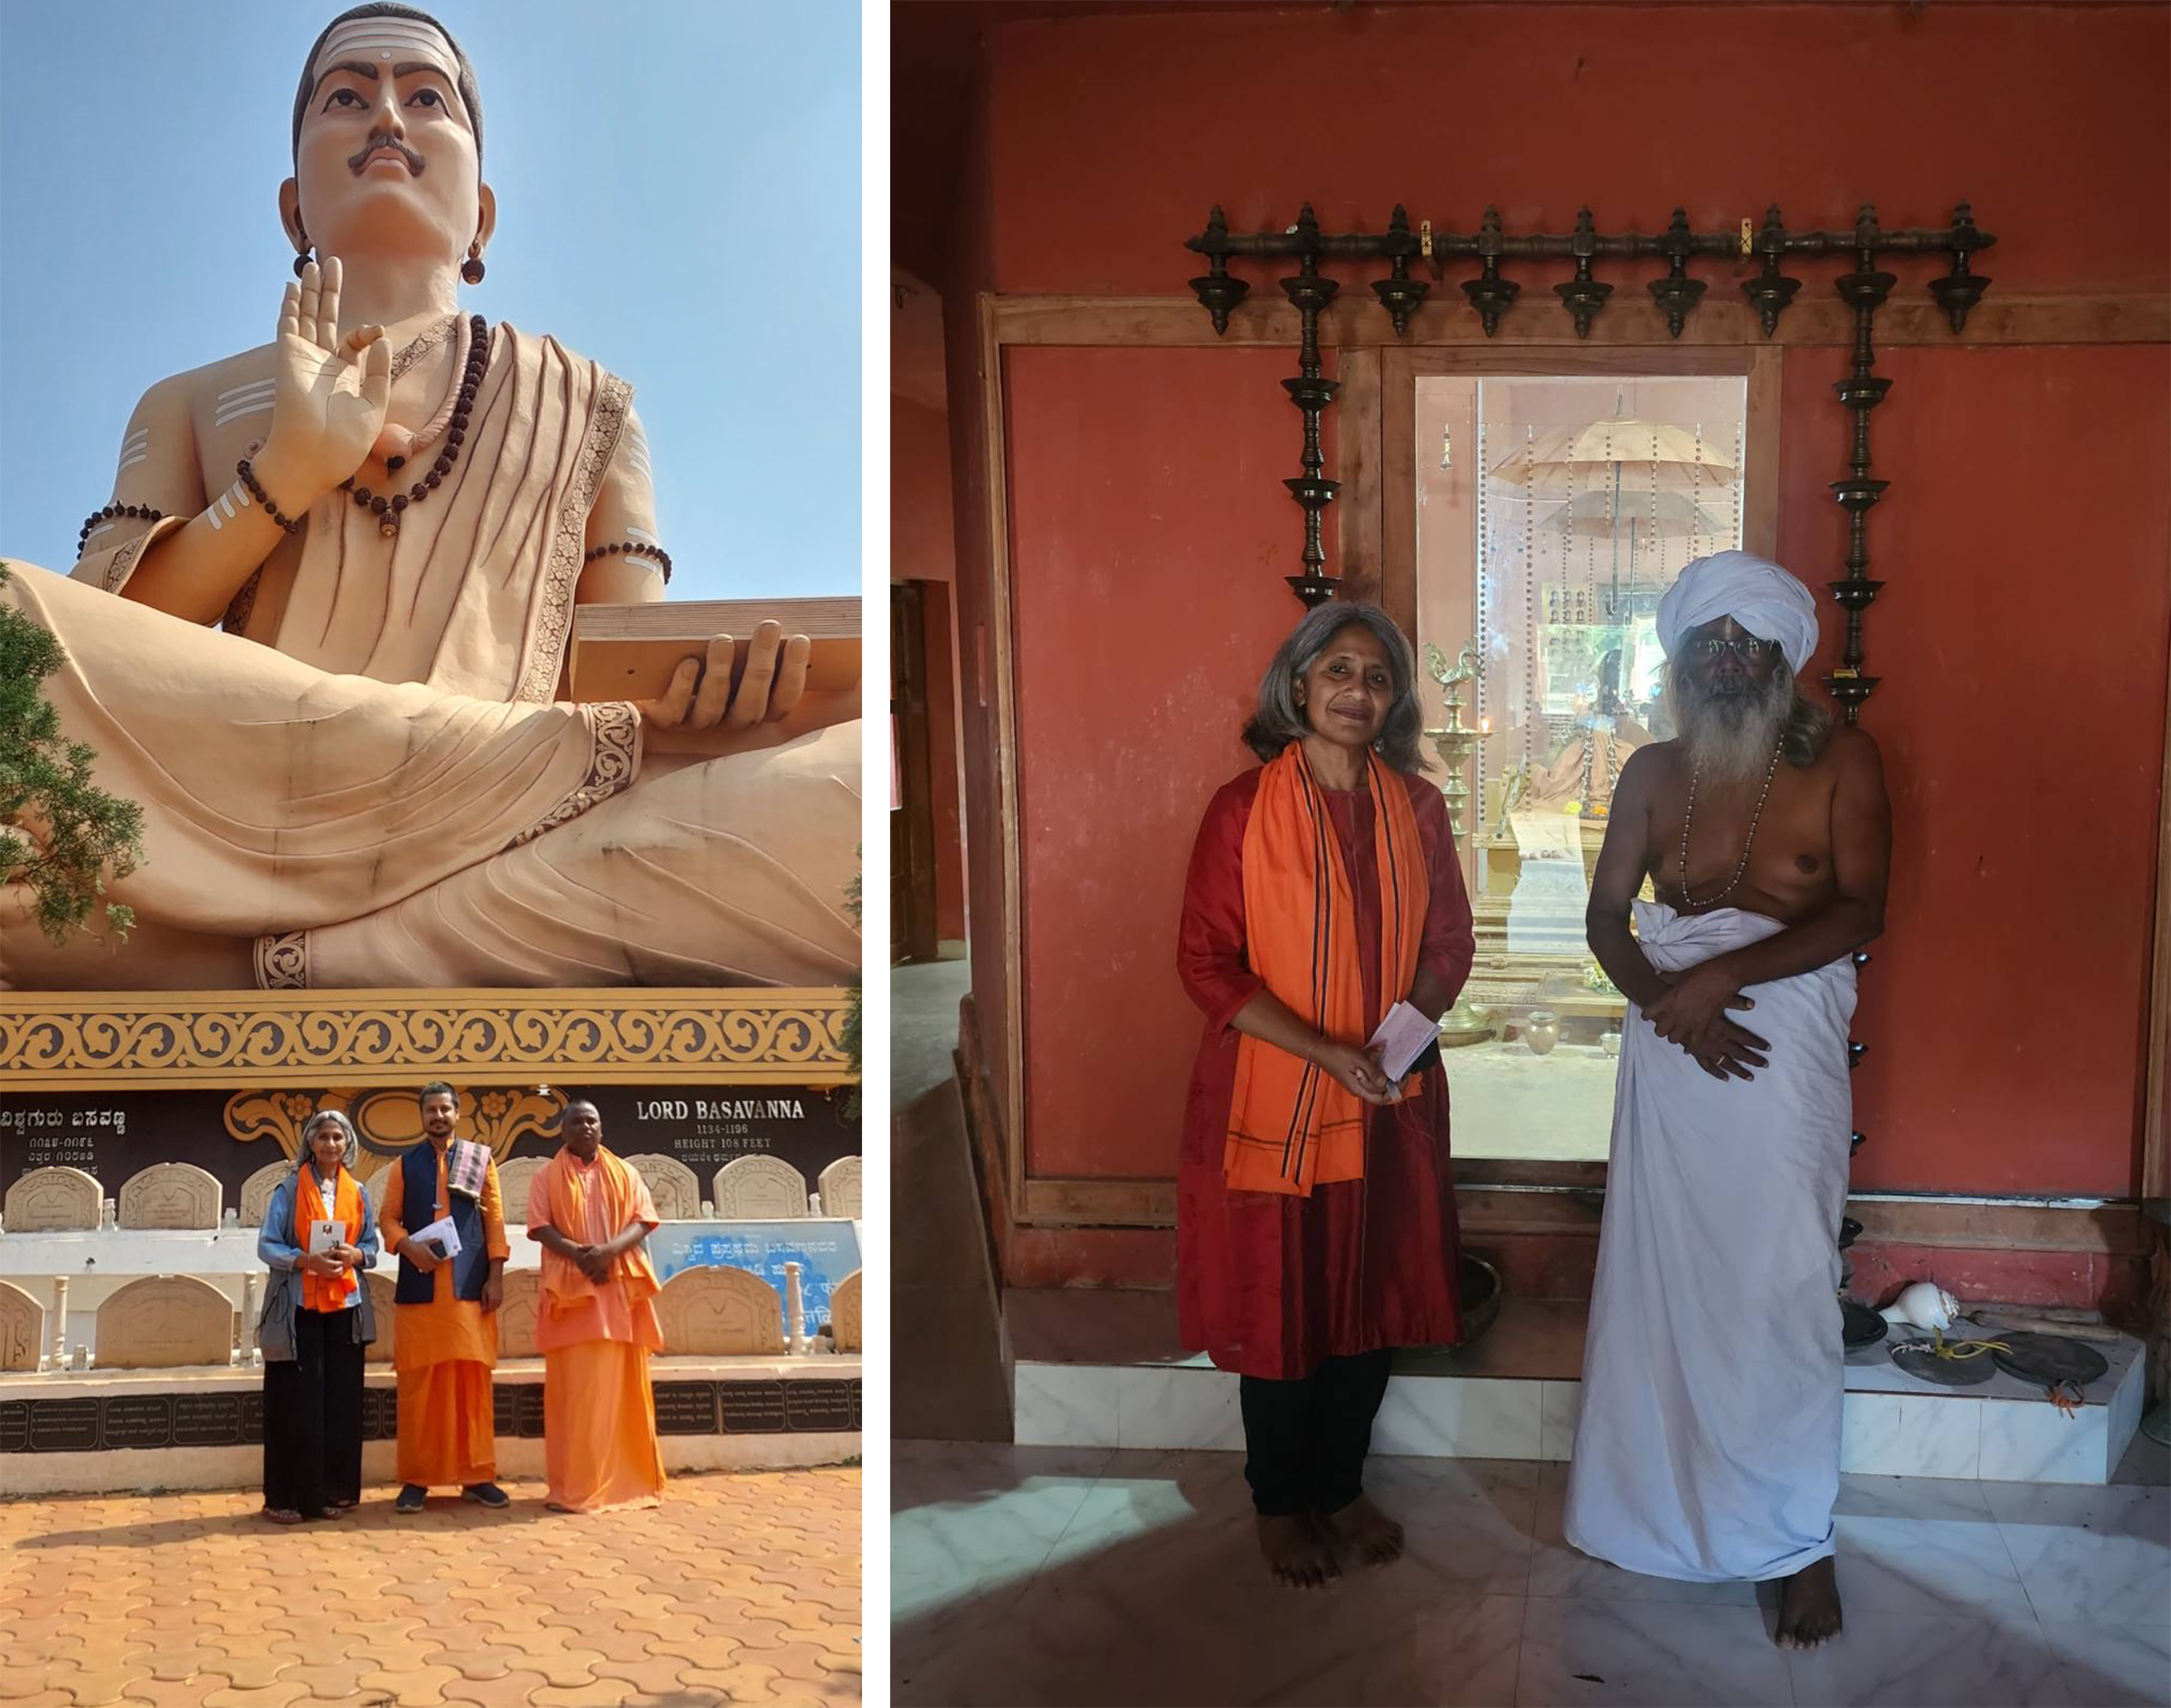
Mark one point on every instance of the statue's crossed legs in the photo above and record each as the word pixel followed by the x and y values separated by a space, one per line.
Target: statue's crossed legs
pixel 332 830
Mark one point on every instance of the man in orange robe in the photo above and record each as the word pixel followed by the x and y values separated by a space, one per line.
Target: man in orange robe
pixel 595 1324
pixel 445 1341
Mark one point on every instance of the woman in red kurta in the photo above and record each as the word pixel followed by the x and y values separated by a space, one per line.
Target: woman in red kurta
pixel 1315 1209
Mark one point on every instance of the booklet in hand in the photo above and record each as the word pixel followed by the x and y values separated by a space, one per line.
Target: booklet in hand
pixel 325 1235
pixel 440 1237
pixel 1404 1035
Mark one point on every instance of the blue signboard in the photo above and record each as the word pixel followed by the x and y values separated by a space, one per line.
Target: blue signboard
pixel 825 1251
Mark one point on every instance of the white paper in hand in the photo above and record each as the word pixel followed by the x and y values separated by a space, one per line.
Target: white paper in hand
pixel 325 1235
pixel 1403 1036
pixel 440 1237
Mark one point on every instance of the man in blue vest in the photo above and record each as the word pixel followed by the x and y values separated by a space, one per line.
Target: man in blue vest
pixel 445 1335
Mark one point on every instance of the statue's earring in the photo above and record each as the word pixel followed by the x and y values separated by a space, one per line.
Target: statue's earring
pixel 302 256
pixel 471 269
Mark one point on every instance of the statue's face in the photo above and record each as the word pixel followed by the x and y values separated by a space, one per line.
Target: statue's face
pixel 387 161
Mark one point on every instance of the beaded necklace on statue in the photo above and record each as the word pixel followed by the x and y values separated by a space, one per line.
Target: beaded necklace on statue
pixel 1688 903
pixel 388 510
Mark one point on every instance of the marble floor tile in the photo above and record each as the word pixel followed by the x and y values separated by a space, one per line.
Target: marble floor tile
pixel 1029 1576
pixel 970 1526
pixel 1559 1570
pixel 1923 1548
pixel 1559 1405
pixel 1955 1500
pixel 1468 1523
pixel 2113 1667
pixel 1938 1662
pixel 2031 1441
pixel 2095 1556
pixel 1453 1654
pixel 1910 1434
pixel 1649 1655
pixel 1060 1405
pixel 1186 1613
pixel 1492 1419
pixel 1176 1407
pixel 1140 1494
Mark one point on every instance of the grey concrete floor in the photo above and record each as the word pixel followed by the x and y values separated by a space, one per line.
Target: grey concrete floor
pixel 952 1378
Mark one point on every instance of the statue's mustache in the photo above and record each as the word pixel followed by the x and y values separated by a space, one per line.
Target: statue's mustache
pixel 414 161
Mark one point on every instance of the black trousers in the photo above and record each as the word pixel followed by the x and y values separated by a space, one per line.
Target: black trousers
pixel 1305 1441
pixel 313 1416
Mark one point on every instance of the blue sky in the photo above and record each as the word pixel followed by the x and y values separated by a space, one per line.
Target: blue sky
pixel 677 197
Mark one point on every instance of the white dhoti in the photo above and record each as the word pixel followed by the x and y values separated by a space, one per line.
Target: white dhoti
pixel 1708 1448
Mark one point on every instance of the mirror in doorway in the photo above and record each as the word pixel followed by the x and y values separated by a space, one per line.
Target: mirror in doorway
pixel 1553 513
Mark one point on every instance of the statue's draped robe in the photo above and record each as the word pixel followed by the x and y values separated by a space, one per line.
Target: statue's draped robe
pixel 367 777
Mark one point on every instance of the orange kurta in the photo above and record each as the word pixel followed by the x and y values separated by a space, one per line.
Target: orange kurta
pixel 444 1352
pixel 599 1412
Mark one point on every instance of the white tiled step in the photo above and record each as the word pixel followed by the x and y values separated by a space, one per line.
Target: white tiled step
pixel 1894 1426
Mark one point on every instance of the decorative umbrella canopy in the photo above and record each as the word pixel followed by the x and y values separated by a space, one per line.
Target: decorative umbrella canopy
pixel 1668 516
pixel 1611 439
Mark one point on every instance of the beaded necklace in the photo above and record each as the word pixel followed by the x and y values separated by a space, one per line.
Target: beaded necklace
pixel 388 510
pixel 1688 903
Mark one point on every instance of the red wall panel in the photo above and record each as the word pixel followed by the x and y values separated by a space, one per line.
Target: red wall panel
pixel 2023 632
pixel 2052 118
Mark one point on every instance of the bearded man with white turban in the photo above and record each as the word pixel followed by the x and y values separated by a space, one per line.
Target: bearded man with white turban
pixel 1708 1449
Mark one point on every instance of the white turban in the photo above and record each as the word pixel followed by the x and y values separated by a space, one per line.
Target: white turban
pixel 1754 591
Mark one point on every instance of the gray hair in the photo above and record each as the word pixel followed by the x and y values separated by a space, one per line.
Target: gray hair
pixel 323 1117
pixel 1277 722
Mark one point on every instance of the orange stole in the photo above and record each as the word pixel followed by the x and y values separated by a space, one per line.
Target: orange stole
pixel 324 1292
pixel 565 1189
pixel 1291 1123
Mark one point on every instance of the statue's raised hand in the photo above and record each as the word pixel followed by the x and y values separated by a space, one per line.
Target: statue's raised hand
pixel 330 393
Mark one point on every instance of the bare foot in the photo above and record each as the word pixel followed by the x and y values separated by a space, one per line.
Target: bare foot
pixel 1809 1606
pixel 1296 1553
pixel 1376 1538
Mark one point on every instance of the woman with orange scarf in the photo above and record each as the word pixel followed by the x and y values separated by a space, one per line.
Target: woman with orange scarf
pixel 317 1320
pixel 595 1322
pixel 1315 1210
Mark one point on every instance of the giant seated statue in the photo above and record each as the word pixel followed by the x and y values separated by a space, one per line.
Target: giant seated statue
pixel 318 633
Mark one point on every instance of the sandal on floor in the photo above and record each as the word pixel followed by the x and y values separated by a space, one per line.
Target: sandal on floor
pixel 282 1515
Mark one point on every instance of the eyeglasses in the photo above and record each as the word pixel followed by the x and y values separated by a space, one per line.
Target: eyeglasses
pixel 1745 647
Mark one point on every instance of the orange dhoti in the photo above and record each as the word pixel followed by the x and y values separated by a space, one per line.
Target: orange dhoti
pixel 447 1434
pixel 599 1427
pixel 444 1351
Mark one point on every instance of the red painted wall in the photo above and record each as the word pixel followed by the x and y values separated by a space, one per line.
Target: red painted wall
pixel 2022 636
pixel 1114 136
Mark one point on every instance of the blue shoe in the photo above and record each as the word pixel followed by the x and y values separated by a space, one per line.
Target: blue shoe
pixel 410 1499
pixel 485 1494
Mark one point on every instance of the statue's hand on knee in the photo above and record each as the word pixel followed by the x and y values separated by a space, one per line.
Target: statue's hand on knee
pixel 702 712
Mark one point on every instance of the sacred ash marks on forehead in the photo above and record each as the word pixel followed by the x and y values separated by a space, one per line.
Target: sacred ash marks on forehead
pixel 388 41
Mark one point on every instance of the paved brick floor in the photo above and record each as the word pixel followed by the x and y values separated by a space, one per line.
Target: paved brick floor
pixel 741 1588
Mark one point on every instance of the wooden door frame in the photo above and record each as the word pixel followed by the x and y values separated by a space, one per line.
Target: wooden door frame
pixel 919 938
pixel 2156 1126
pixel 1364 345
